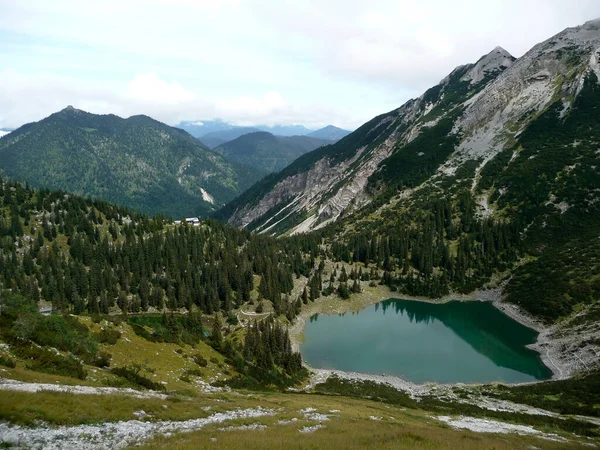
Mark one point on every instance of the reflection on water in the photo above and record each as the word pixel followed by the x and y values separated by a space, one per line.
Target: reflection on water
pixel 451 342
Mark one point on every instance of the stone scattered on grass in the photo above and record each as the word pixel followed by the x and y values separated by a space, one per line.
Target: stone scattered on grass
pixel 114 434
pixel 312 414
pixel 494 426
pixel 311 429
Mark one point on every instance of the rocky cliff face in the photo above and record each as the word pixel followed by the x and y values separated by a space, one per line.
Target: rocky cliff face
pixel 553 69
pixel 489 103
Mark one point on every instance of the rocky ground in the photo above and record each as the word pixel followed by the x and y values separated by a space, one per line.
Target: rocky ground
pixel 305 415
pixel 112 435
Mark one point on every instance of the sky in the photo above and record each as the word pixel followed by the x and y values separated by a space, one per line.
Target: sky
pixel 249 62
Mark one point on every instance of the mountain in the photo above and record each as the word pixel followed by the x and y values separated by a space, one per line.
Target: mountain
pixel 4 132
pixel 266 152
pixel 330 132
pixel 285 130
pixel 327 135
pixel 200 128
pixel 216 138
pixel 321 185
pixel 137 162
pixel 500 157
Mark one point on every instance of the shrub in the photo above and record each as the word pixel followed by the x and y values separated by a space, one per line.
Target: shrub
pixel 185 378
pixel 106 336
pixel 200 360
pixel 7 362
pixel 132 374
pixel 48 361
pixel 102 359
pixel 232 319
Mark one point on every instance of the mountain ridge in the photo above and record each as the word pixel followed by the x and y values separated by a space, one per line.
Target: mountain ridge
pixel 267 152
pixel 517 151
pixel 200 128
pixel 138 162
pixel 474 93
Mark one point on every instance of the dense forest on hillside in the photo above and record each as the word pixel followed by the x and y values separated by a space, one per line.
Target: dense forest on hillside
pixel 84 255
pixel 90 257
pixel 268 153
pixel 136 162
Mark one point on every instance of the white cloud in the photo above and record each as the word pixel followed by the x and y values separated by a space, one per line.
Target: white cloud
pixel 149 88
pixel 414 43
pixel 148 94
pixel 271 104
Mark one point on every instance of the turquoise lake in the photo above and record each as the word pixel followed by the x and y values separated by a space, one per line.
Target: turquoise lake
pixel 454 342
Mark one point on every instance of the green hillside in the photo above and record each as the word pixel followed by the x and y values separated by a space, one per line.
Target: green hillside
pixel 171 319
pixel 266 152
pixel 136 162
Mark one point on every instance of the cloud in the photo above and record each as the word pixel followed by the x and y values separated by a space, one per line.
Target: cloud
pixel 298 61
pixel 27 97
pixel 246 107
pixel 150 88
pixel 415 43
pixel 149 94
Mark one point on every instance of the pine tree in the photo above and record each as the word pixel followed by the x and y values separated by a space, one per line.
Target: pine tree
pixel 216 337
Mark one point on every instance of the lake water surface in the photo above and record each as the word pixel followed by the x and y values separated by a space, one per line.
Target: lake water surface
pixel 468 342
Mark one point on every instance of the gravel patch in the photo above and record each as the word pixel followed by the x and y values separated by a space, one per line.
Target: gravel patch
pixel 113 435
pixel 14 385
pixel 312 414
pixel 494 426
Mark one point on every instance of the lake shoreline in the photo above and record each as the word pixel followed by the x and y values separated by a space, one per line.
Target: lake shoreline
pixel 546 345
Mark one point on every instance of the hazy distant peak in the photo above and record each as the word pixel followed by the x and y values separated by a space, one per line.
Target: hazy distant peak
pixel 330 132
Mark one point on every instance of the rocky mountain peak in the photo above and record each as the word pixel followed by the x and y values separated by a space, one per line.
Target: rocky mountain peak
pixel 472 115
pixel 494 62
pixel 70 111
pixel 592 24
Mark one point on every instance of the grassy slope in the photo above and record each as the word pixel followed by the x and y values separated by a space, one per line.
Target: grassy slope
pixel 162 362
pixel 355 424
pixel 351 427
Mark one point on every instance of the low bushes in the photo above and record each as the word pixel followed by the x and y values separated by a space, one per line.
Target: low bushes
pixel 132 374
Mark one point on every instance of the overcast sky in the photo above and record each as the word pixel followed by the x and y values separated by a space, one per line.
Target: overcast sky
pixel 310 62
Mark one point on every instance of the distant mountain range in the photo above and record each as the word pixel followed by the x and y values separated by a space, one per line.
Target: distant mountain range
pixel 213 133
pixel 216 138
pixel 200 128
pixel 136 162
pixel 266 152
